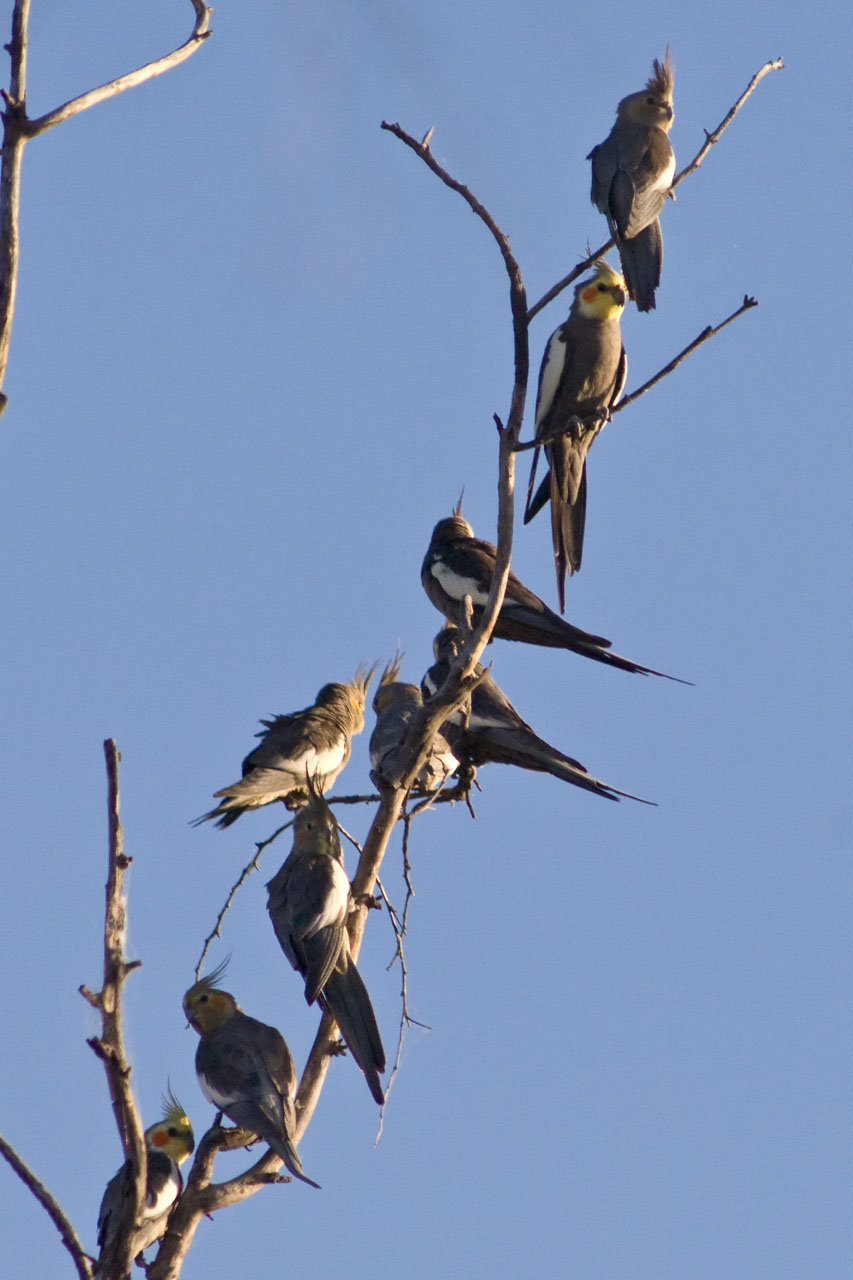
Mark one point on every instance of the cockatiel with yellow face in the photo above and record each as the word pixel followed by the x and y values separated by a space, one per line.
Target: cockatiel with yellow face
pixel 308 903
pixel 632 172
pixel 245 1069
pixel 583 372
pixel 316 740
pixel 167 1143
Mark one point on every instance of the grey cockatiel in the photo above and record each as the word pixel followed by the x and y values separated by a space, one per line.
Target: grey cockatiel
pixel 458 565
pixel 245 1069
pixel 167 1144
pixel 632 171
pixel 308 902
pixel 490 730
pixel 583 372
pixel 395 703
pixel 317 740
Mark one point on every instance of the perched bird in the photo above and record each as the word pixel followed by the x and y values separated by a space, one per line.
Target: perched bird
pixel 395 703
pixel 317 740
pixel 632 172
pixel 457 565
pixel 308 902
pixel 583 372
pixel 489 730
pixel 245 1069
pixel 167 1143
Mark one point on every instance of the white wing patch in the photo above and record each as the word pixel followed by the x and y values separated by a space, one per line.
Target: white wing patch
pixel 216 1096
pixel 165 1199
pixel 455 585
pixel 553 363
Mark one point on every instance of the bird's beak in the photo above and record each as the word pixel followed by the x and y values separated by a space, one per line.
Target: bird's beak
pixel 619 295
pixel 669 111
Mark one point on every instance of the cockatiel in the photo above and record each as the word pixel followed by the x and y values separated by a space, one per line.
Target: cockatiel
pixel 308 902
pixel 632 172
pixel 395 703
pixel 317 740
pixel 167 1143
pixel 457 565
pixel 490 730
pixel 583 372
pixel 245 1069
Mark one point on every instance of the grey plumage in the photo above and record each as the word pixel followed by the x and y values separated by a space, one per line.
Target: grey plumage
pixel 458 565
pixel 582 373
pixel 632 172
pixel 308 903
pixel 316 741
pixel 245 1069
pixel 395 703
pixel 488 729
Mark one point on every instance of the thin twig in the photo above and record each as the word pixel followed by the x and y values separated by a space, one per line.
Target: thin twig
pixel 777 64
pixel 67 1233
pixel 710 139
pixel 708 332
pixel 251 865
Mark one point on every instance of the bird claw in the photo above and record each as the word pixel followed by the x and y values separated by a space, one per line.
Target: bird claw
pixel 337 1049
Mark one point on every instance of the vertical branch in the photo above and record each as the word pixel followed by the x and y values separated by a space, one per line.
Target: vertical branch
pixel 109 1046
pixel 17 129
pixel 14 139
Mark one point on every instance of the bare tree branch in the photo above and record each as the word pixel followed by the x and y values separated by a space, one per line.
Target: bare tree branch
pixel 46 1200
pixel 710 139
pixel 429 718
pixel 708 332
pixel 777 64
pixel 200 32
pixel 18 129
pixel 109 1046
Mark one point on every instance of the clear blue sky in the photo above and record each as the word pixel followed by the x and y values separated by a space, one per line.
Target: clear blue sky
pixel 255 358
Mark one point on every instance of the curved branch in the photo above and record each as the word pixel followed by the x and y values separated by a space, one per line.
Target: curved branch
pixel 200 33
pixel 427 721
pixel 46 1200
pixel 777 64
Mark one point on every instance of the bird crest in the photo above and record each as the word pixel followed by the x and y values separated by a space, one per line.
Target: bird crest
pixel 387 677
pixel 607 275
pixel 662 80
pixel 360 682
pixel 173 1112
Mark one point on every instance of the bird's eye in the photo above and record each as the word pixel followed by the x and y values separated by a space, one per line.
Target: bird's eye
pixel 602 288
pixel 650 101
pixel 172 1131
pixel 203 999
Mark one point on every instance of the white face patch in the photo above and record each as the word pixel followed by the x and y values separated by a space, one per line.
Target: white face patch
pixel 553 363
pixel 455 585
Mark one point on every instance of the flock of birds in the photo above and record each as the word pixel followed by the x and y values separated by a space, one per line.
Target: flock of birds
pixel 244 1066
